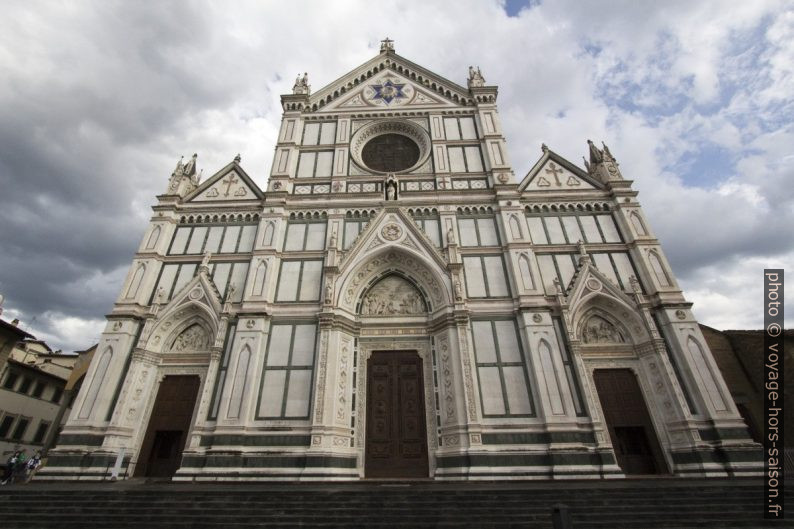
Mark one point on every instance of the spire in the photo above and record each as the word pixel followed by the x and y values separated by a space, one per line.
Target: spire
pixel 596 156
pixel 386 45
pixel 184 179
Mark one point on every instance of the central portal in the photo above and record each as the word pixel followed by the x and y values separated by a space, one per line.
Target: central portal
pixel 396 443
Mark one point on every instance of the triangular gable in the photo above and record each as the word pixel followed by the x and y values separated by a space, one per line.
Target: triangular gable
pixel 552 172
pixel 388 89
pixel 579 288
pixel 429 89
pixel 230 183
pixel 201 290
pixel 393 226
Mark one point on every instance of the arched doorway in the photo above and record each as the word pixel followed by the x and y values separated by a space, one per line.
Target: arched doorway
pixel 633 437
pixel 169 423
pixel 396 443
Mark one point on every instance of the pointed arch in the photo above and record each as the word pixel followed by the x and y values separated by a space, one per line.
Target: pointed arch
pixel 93 390
pixel 706 374
pixel 639 226
pixel 267 238
pixel 392 293
pixel 526 272
pixel 238 387
pixel 135 284
pixel 550 376
pixel 154 237
pixel 658 268
pixel 259 279
pixel 515 227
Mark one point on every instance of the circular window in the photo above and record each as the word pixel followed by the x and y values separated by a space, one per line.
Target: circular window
pixel 390 153
pixel 390 146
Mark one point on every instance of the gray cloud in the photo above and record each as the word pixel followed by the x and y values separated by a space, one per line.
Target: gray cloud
pixel 98 100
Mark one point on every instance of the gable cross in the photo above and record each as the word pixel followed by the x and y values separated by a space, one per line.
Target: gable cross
pixel 232 181
pixel 555 171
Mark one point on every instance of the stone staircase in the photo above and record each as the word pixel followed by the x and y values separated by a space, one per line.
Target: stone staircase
pixel 640 503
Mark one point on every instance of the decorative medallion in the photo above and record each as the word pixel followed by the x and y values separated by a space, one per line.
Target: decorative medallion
pixel 196 294
pixel 680 314
pixel 388 91
pixel 537 318
pixel 593 284
pixel 391 232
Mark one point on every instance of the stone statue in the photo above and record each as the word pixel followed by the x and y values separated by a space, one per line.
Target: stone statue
pixel 159 298
pixel 451 236
pixel 329 293
pixel 205 261
pixel 475 77
pixel 458 290
pixel 301 85
pixel 391 190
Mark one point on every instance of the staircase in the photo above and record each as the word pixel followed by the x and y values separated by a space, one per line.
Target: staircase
pixel 641 503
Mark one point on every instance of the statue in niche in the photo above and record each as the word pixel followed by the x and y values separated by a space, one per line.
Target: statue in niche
pixel 392 296
pixel 598 330
pixel 194 338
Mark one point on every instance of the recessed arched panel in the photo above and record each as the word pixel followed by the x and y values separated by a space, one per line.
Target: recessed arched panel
pixel 135 284
pixel 551 378
pixel 636 221
pixel 259 279
pixel 706 375
pixel 153 238
pixel 238 388
pixel 267 238
pixel 526 272
pixel 658 269
pixel 93 390
pixel 515 228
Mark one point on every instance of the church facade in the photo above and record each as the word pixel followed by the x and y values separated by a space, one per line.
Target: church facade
pixel 396 305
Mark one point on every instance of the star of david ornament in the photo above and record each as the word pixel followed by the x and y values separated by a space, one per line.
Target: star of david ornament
pixel 388 91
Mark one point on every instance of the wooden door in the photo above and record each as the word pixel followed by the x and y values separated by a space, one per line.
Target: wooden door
pixel 633 437
pixel 396 443
pixel 166 435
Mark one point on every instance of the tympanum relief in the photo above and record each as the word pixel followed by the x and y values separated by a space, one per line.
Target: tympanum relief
pixel 392 296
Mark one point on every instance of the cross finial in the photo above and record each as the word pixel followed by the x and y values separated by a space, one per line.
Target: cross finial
pixel 386 45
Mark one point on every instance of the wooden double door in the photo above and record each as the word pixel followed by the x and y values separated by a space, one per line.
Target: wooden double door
pixel 166 435
pixel 396 437
pixel 633 437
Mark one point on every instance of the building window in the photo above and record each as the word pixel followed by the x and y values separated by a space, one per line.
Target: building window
pixel 465 159
pixel 197 240
pixel 305 236
pixel 299 280
pixel 11 380
pixel 315 164
pixel 20 428
pixel 41 431
pixel 616 266
pixel 319 133
pixel 285 392
pixel 224 274
pixel 478 231
pixel 24 387
pixel 460 128
pixel 501 369
pixel 431 225
pixel 5 425
pixel 56 395
pixel 38 389
pixel 570 229
pixel 485 276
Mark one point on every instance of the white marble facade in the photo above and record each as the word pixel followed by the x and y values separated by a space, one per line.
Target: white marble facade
pixel 511 293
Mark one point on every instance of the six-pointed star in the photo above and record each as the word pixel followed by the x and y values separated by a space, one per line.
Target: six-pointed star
pixel 388 91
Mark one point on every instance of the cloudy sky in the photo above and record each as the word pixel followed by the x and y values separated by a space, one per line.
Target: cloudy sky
pixel 99 100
